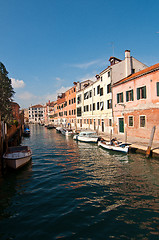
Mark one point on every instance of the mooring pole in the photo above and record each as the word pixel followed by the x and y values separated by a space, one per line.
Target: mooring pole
pixel 110 135
pixel 148 152
pixel 125 136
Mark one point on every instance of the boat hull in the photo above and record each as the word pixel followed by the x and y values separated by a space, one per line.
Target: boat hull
pixel 86 139
pixel 113 148
pixel 17 157
pixel 17 163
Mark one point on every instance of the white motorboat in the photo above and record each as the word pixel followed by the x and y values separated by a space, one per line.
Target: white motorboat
pixel 59 129
pixel 87 136
pixel 121 147
pixel 67 132
pixel 17 157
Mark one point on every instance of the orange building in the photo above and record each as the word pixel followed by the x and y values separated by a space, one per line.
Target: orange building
pixel 65 108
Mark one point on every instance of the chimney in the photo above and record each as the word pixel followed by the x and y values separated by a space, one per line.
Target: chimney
pixel 127 63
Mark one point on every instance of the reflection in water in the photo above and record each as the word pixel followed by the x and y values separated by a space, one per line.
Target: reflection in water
pixel 75 190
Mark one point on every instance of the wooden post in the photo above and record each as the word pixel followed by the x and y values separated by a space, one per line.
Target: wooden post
pixel 110 135
pixel 125 136
pixel 148 152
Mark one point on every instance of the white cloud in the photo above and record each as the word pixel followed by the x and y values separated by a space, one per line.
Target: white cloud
pixel 17 83
pixel 26 96
pixel 87 64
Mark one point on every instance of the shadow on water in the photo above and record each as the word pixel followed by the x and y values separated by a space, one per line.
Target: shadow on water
pixel 75 190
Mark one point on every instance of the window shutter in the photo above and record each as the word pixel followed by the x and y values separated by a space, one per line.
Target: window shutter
pixel 138 93
pixel 126 96
pixel 122 97
pixel 132 95
pixel 157 88
pixel 118 98
pixel 144 88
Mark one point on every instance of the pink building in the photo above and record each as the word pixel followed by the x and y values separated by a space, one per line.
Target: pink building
pixel 136 103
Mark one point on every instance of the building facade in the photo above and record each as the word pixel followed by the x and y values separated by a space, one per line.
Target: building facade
pixel 36 114
pixel 136 103
pixel 94 101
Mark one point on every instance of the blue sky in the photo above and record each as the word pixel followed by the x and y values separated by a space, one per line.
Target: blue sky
pixel 46 45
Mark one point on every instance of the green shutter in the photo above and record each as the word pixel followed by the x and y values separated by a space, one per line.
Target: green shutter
pixel 144 88
pixel 157 88
pixel 138 93
pixel 132 95
pixel 118 98
pixel 127 96
pixel 122 97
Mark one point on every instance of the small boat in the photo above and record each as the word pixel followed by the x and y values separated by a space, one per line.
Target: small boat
pixel 17 157
pixel 50 126
pixel 26 132
pixel 87 136
pixel 59 129
pixel 67 132
pixel 120 147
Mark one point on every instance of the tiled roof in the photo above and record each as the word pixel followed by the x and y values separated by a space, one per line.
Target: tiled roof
pixel 138 74
pixel 37 106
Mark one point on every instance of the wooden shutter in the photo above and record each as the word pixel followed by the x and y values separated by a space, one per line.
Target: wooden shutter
pixel 144 88
pixel 138 93
pixel 122 97
pixel 157 88
pixel 127 96
pixel 132 95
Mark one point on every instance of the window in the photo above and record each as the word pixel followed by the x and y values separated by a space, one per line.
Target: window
pixel 93 106
pixel 129 96
pixel 119 97
pixel 79 112
pixel 90 107
pixel 101 106
pixel 69 102
pixel 87 121
pixel 108 88
pixel 141 92
pixel 110 122
pixel 90 93
pixel 131 121
pixel 142 121
pixel 109 104
pixel 86 96
pixel 97 105
pixel 99 122
pixel 84 121
pixel 79 99
pixel 90 121
pixel 74 111
pixel 98 89
pixel 109 74
pixel 157 85
pixel 101 91
pixel 101 79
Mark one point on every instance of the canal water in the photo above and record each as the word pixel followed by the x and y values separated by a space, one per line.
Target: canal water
pixel 74 190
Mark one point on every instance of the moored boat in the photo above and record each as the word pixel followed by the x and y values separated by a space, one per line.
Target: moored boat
pixel 121 147
pixel 26 132
pixel 17 157
pixel 50 126
pixel 59 129
pixel 87 136
pixel 67 132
